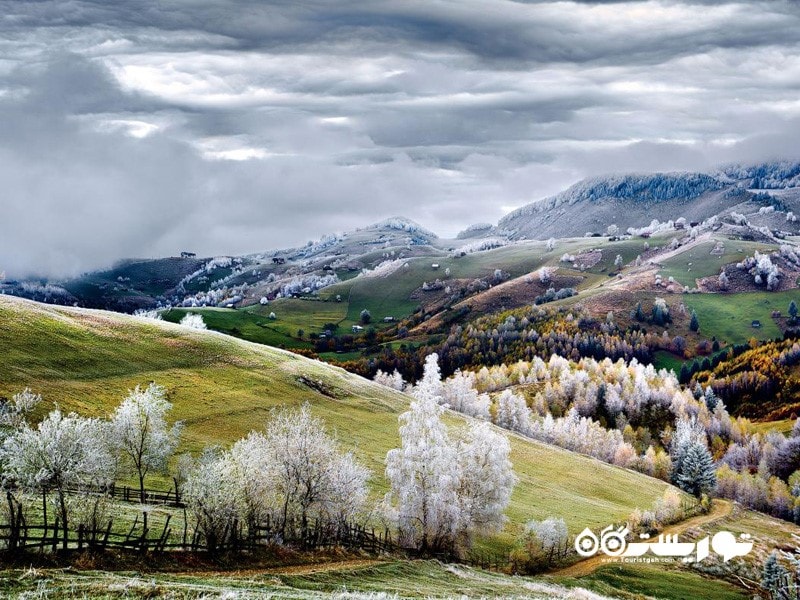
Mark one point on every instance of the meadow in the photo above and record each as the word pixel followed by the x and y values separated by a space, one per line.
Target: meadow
pixel 222 388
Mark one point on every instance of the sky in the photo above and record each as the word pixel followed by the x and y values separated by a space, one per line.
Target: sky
pixel 144 128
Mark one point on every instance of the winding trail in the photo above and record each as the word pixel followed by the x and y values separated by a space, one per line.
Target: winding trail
pixel 719 510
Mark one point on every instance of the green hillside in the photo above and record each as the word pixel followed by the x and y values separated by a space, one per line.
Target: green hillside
pixel 223 387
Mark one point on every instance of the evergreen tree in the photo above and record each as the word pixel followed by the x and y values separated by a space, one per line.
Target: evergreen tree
pixel 793 310
pixel 638 314
pixel 774 576
pixel 694 324
pixel 696 473
pixel 685 374
pixel 711 399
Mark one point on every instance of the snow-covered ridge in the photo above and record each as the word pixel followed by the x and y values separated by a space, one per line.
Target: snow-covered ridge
pixel 767 176
pixel 639 187
pixel 403 224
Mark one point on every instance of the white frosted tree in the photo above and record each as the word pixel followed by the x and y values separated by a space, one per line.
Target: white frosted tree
pixel 193 321
pixel 15 413
pixel 696 473
pixel 423 476
pixel 431 383
pixel 486 481
pixel 724 282
pixel 394 381
pixel 513 412
pixel 213 495
pixel 140 434
pixel 550 537
pixel 310 476
pixel 459 394
pixel 60 453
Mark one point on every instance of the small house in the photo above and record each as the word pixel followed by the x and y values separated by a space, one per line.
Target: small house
pixel 435 266
pixel 756 324
pixel 357 328
pixel 188 254
pixel 388 319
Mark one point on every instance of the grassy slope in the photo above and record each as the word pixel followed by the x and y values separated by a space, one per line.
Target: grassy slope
pixel 704 264
pixel 222 388
pixel 729 316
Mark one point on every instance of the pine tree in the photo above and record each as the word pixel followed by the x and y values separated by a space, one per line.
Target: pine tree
pixel 685 374
pixel 694 324
pixel 638 313
pixel 793 310
pixel 696 473
pixel 711 399
pixel 774 576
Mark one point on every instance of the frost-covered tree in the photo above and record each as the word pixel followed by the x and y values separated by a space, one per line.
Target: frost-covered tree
pixel 431 383
pixel 485 481
pixel 15 413
pixel 460 394
pixel 423 475
pixel 548 537
pixel 308 470
pixel 774 576
pixel 618 261
pixel 696 473
pixel 661 314
pixel 394 381
pixel 193 321
pixel 213 496
pixel 612 230
pixel 513 412
pixel 551 243
pixel 144 313
pixel 140 434
pixel 60 453
pixel 724 282
pixel 365 317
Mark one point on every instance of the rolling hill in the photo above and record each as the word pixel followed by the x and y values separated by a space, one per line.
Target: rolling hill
pixel 85 360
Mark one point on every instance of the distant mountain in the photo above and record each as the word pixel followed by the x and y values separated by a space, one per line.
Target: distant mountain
pixel 634 200
pixel 231 280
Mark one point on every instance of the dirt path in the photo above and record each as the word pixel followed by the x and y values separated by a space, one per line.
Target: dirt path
pixel 719 510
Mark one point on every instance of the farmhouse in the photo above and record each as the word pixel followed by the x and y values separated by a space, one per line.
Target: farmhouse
pixel 435 266
pixel 357 328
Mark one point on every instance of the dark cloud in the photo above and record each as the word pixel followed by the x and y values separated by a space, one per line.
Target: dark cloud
pixel 144 128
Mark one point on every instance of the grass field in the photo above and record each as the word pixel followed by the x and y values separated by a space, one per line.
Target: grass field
pixel 657 581
pixel 705 264
pixel 370 580
pixel 729 316
pixel 223 387
pixel 388 580
pixel 244 324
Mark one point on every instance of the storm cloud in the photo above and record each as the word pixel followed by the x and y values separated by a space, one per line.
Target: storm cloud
pixel 144 128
